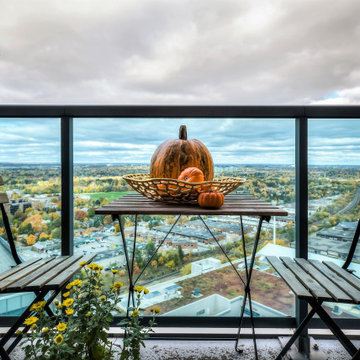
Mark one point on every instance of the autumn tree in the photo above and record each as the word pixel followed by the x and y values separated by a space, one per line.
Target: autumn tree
pixel 80 215
pixel 31 239
pixel 43 237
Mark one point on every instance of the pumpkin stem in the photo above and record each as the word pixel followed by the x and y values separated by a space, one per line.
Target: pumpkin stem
pixel 183 132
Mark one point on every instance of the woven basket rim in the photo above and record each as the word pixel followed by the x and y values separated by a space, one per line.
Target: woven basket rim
pixel 220 179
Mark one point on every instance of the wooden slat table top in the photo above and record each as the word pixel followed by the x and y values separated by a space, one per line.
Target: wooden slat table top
pixel 48 273
pixel 325 281
pixel 331 275
pixel 233 205
pixel 67 274
pixel 294 284
pixel 43 271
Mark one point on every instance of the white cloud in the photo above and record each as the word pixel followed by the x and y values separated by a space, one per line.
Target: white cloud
pixel 349 96
pixel 185 52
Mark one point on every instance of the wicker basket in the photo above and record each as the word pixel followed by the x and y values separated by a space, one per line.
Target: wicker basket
pixel 172 190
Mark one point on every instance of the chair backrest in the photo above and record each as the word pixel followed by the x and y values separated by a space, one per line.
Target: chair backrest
pixel 352 247
pixel 4 199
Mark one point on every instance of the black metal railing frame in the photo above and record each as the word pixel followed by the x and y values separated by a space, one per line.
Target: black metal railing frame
pixel 300 114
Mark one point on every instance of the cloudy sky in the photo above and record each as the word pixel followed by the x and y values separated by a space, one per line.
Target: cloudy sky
pixel 179 52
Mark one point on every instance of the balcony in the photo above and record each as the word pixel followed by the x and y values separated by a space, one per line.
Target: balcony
pixel 322 199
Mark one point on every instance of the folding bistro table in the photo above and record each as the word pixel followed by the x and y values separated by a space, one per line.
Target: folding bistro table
pixel 235 205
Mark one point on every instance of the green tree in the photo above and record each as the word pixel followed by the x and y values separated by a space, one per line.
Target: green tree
pixel 181 254
pixel 56 233
pixel 149 248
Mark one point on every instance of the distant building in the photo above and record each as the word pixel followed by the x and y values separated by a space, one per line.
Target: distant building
pixel 184 244
pixel 336 234
pixel 14 206
pixel 191 233
pixel 218 305
pixel 219 225
pixel 204 265
pixel 347 226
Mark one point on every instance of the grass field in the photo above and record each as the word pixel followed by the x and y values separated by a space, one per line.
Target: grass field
pixel 112 195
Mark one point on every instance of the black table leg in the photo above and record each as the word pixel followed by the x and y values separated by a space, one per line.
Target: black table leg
pixel 247 288
pixel 130 264
pixel 16 325
pixel 248 271
pixel 330 323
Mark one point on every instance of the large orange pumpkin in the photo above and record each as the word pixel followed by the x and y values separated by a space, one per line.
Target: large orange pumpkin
pixel 212 200
pixel 175 155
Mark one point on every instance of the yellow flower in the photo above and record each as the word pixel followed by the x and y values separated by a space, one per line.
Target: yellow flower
pixel 138 289
pixel 157 309
pixel 101 268
pixel 61 326
pixel 69 311
pixel 77 282
pixel 65 295
pixel 56 302
pixel 103 298
pixel 69 286
pixel 135 313
pixel 33 326
pixel 72 290
pixel 82 263
pixel 31 320
pixel 60 306
pixel 151 309
pixel 18 332
pixel 68 302
pixel 114 271
pixel 45 330
pixel 94 267
pixel 59 339
pixel 118 285
pixel 38 306
pixel 88 314
pixel 146 291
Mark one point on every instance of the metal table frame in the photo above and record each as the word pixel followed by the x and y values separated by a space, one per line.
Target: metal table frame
pixel 119 208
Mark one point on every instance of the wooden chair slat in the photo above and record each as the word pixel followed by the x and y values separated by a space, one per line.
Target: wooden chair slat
pixel 351 279
pixel 310 283
pixel 58 270
pixel 3 198
pixel 23 272
pixel 16 269
pixel 332 288
pixel 335 278
pixel 68 273
pixel 294 284
pixel 20 284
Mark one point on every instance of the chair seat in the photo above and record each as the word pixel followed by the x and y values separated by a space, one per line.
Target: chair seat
pixel 324 281
pixel 41 274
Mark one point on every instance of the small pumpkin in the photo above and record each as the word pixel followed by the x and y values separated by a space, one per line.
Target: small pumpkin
pixel 192 175
pixel 161 189
pixel 175 155
pixel 211 200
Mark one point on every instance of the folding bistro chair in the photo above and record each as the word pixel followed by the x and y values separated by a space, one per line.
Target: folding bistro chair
pixel 318 282
pixel 42 276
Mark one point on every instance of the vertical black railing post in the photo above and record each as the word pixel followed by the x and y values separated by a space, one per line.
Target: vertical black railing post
pixel 301 216
pixel 67 208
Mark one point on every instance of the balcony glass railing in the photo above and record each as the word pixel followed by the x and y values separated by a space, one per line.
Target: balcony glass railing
pixel 189 278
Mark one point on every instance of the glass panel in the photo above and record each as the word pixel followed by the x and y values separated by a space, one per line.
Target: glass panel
pixel 189 276
pixel 334 194
pixel 30 167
